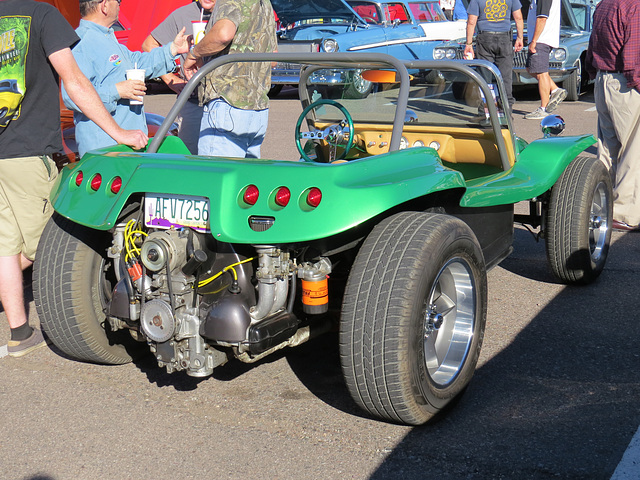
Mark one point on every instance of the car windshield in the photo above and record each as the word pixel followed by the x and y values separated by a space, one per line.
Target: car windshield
pixel 369 11
pixel 9 86
pixel 427 12
pixel 291 12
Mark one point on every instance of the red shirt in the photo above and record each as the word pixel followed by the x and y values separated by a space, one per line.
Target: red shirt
pixel 614 45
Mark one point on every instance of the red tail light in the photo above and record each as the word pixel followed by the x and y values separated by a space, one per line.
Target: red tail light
pixel 251 195
pixel 314 197
pixel 283 195
pixel 79 178
pixel 96 181
pixel 116 185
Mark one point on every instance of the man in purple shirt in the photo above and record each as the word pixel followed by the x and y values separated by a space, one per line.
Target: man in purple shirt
pixel 613 59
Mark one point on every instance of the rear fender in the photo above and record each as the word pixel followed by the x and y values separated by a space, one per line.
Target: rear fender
pixel 352 192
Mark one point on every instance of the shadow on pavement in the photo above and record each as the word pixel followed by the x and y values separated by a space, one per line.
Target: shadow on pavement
pixel 559 402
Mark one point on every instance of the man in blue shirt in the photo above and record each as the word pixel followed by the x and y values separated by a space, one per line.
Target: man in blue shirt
pixel 29 136
pixel 105 61
pixel 494 41
pixel 459 11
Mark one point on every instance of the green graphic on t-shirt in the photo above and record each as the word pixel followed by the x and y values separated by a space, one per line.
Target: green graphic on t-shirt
pixel 14 45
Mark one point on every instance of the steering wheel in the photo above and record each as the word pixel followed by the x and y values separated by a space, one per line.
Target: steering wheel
pixel 335 135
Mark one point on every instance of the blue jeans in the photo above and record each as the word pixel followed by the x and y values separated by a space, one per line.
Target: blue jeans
pixel 227 131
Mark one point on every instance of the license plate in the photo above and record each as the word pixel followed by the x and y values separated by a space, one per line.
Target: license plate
pixel 166 211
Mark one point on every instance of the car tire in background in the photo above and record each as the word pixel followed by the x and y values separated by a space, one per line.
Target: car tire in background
pixel 358 87
pixel 275 90
pixel 72 284
pixel 573 84
pixel 413 318
pixel 578 221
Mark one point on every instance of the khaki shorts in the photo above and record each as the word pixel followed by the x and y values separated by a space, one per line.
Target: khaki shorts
pixel 25 184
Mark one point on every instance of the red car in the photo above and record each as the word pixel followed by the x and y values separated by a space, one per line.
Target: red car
pixel 136 20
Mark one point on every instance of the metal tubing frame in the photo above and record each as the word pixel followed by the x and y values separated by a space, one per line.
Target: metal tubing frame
pixel 351 61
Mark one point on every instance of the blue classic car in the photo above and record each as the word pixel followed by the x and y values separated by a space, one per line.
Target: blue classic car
pixel 566 62
pixel 405 29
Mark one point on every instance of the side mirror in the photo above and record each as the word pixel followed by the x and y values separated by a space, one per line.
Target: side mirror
pixel 552 125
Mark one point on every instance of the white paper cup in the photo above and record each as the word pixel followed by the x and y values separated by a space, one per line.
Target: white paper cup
pixel 198 30
pixel 135 74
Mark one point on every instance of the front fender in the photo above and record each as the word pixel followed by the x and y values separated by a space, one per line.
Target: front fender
pixel 352 192
pixel 539 166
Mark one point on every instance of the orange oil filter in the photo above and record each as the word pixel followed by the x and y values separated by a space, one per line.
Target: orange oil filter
pixel 315 294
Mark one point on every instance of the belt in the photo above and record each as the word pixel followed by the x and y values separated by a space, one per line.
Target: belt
pixel 495 33
pixel 611 71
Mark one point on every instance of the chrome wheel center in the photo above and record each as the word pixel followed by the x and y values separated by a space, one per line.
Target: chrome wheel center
pixel 434 320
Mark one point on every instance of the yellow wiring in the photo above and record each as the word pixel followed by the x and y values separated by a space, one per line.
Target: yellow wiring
pixel 130 236
pixel 131 233
pixel 225 269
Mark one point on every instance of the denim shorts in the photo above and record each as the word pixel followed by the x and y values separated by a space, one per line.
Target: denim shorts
pixel 539 61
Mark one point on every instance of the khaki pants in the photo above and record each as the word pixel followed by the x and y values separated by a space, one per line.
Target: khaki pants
pixel 619 142
pixel 25 185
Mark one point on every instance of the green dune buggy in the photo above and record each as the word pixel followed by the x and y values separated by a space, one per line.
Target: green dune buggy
pixel 385 227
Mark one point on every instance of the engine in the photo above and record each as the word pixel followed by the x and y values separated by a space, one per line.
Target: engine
pixel 197 302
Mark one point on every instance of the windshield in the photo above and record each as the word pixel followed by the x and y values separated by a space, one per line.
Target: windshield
pixel 448 99
pixel 326 11
pixel 369 11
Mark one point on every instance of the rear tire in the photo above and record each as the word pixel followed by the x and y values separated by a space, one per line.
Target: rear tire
pixel 73 280
pixel 578 221
pixel 413 316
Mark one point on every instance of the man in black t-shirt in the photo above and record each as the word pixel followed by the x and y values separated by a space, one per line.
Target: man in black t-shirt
pixel 35 41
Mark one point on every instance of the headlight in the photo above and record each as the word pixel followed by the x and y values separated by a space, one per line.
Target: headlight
pixel 440 53
pixel 330 45
pixel 558 54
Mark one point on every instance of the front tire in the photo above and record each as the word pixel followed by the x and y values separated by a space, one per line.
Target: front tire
pixel 73 280
pixel 573 84
pixel 413 316
pixel 578 221
pixel 358 87
pixel 275 90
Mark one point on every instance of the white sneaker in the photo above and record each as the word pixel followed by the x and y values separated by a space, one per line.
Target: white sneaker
pixel 537 114
pixel 557 96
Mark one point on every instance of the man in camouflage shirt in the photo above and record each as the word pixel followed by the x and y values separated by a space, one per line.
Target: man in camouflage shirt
pixel 235 96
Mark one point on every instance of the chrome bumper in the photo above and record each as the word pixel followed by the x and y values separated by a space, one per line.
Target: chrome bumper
pixel 289 74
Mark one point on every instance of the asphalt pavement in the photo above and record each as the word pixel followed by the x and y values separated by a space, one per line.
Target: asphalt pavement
pixel 555 395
